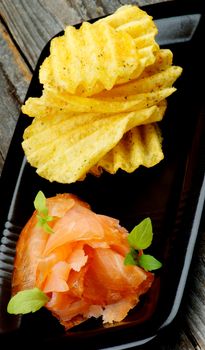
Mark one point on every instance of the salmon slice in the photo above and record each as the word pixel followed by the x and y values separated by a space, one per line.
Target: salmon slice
pixel 78 224
pixel 80 266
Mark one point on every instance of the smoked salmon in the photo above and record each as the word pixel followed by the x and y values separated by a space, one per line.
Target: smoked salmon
pixel 80 264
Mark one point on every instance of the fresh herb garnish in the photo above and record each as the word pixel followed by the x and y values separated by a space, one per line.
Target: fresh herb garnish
pixel 141 235
pixel 42 212
pixel 148 262
pixel 130 258
pixel 141 238
pixel 25 301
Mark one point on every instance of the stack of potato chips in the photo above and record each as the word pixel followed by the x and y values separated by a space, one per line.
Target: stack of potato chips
pixel 104 90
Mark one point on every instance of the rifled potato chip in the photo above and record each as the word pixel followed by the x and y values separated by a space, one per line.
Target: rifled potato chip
pixel 130 16
pixel 70 154
pixel 141 27
pixel 139 146
pixel 47 128
pixel 156 82
pixel 53 104
pixel 90 59
pixel 153 83
pixel 105 88
pixel 163 60
pixel 42 129
pixel 98 56
pixel 147 57
pixel 137 23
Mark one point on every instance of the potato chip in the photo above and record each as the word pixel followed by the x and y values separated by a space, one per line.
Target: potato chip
pixel 42 129
pixel 147 57
pixel 141 27
pixel 97 56
pixel 70 154
pixel 51 103
pixel 158 76
pixel 139 146
pixel 163 60
pixel 46 128
pixel 105 88
pixel 129 16
pixel 158 81
pixel 90 59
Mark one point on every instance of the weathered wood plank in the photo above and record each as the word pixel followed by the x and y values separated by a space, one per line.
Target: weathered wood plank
pixel 14 80
pixel 9 111
pixel 183 343
pixel 32 23
pixel 13 65
pixel 25 19
pixel 195 310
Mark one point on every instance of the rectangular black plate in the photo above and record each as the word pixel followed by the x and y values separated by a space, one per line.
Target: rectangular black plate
pixel 171 194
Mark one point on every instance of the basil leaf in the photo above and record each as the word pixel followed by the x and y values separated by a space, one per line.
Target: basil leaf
pixel 141 235
pixel 148 262
pixel 129 259
pixel 29 300
pixel 40 203
pixel 42 212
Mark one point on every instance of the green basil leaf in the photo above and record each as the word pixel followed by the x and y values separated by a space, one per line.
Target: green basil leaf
pixel 49 218
pixel 148 262
pixel 42 212
pixel 29 300
pixel 129 259
pixel 141 235
pixel 40 203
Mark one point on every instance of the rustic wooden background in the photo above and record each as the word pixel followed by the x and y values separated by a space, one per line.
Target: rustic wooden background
pixel 25 27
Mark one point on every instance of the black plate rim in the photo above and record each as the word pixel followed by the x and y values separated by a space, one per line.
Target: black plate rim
pixel 190 246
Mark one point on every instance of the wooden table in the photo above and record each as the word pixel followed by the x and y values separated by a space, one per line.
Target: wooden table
pixel 25 27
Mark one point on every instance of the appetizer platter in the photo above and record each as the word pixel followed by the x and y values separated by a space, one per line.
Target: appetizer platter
pixel 106 182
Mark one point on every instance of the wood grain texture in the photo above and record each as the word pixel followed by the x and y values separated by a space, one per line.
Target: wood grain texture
pixel 195 310
pixel 13 65
pixel 14 80
pixel 32 23
pixel 25 28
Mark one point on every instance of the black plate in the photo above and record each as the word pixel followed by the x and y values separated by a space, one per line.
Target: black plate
pixel 171 193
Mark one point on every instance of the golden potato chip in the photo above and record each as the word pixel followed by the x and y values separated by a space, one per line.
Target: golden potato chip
pixel 161 80
pixel 51 103
pixel 147 57
pixel 105 88
pixel 70 153
pixel 127 15
pixel 50 127
pixel 90 59
pixel 97 56
pixel 163 60
pixel 139 146
pixel 46 128
pixel 161 75
pixel 141 27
